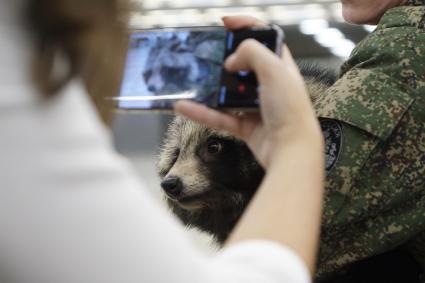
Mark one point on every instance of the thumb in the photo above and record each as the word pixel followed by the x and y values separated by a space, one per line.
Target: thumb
pixel 251 55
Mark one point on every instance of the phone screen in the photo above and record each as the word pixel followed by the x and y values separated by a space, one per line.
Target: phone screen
pixel 240 90
pixel 165 66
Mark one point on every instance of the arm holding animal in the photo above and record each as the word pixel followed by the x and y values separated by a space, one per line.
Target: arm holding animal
pixel 287 141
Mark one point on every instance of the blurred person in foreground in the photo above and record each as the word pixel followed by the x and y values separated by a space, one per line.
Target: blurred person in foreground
pixel 72 210
pixel 374 116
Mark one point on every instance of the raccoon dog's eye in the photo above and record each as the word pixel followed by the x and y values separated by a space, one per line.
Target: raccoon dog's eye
pixel 214 147
pixel 169 72
pixel 176 155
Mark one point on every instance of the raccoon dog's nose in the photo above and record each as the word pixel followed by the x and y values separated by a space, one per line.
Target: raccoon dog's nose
pixel 172 186
pixel 152 88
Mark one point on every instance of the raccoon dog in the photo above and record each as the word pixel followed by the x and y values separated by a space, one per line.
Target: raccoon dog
pixel 209 176
pixel 177 64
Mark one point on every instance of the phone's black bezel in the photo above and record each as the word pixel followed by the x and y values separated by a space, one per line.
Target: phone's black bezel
pixel 280 36
pixel 278 51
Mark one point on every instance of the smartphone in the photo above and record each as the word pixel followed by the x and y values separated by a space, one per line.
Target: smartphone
pixel 166 65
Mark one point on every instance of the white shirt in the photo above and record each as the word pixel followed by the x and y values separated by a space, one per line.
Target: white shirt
pixel 72 210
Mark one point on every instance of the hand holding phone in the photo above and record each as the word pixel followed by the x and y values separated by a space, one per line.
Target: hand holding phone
pixel 164 66
pixel 286 116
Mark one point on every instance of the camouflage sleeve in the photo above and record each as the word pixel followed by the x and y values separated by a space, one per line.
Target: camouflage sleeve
pixel 375 145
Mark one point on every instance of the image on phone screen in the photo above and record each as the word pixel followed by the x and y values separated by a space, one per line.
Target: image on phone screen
pixel 162 67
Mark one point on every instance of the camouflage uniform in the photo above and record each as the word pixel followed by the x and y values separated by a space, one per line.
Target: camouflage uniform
pixel 375 197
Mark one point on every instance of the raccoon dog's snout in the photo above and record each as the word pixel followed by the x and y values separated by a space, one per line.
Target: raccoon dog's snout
pixel 172 186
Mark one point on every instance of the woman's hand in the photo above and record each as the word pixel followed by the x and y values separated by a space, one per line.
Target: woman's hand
pixel 286 138
pixel 286 114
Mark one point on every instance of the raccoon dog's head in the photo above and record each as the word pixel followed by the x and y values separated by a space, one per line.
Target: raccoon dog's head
pixel 208 177
pixel 171 66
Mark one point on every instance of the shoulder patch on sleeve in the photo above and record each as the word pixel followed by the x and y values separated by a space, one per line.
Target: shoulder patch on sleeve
pixel 333 134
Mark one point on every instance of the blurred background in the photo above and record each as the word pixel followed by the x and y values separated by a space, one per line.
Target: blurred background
pixel 315 33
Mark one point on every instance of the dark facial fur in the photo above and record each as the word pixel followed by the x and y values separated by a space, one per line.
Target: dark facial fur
pixel 208 176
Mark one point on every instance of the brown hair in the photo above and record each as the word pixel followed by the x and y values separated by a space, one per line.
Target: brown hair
pixel 89 36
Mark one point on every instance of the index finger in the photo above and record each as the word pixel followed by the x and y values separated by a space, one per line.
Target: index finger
pixel 239 22
pixel 210 117
pixel 251 55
